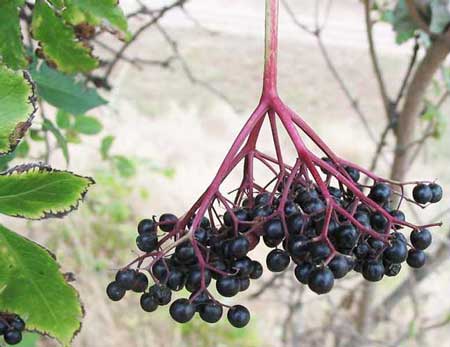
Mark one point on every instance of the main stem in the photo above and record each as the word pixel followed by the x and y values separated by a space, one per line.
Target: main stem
pixel 271 50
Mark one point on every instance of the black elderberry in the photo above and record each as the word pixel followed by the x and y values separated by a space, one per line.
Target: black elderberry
pixel 146 226
pixel 319 251
pixel 262 211
pixel 378 221
pixel 241 215
pixel 257 270
pixel 345 237
pixel 194 279
pixel 421 239
pixel 321 280
pixel 335 193
pixel 160 269
pixel 376 244
pixel 239 247
pixel 353 173
pixel 313 206
pixel 339 266
pixel 205 223
pixel 167 222
pixel 262 199
pixel 140 283
pixel 422 193
pixel 244 284
pixel 13 337
pixel 363 218
pixel 126 278
pixel 397 214
pixel 176 280
pixel 273 229
pixel 114 291
pixel 162 294
pixel 277 260
pixel 148 302
pixel 218 265
pixel 298 245
pixel 396 252
pixel 392 270
pixel 290 208
pixel 361 251
pixel 380 193
pixel 182 310
pixel 17 323
pixel 199 299
pixel 201 235
pixel 244 267
pixel 416 258
pixel 373 271
pixel 228 286
pixel 3 327
pixel 211 312
pixel 436 192
pixel 303 195
pixel 302 272
pixel 147 242
pixel 295 223
pixel 185 253
pixel 238 316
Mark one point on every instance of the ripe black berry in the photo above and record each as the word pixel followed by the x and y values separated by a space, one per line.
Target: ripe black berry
pixel 185 253
pixel 244 284
pixel 378 221
pixel 339 266
pixel 126 278
pixel 277 260
pixel 392 270
pixel 176 280
pixel 257 270
pixel 295 223
pixel 319 251
pixel 146 226
pixel 161 293
pixel 228 286
pixel 321 281
pixel 239 247
pixel 416 258
pixel 194 279
pixel 211 312
pixel 273 229
pixel 201 235
pixel 182 311
pixel 353 173
pixel 290 208
pixel 147 242
pixel 160 269
pixel 373 271
pixel 17 323
pixel 298 245
pixel 148 302
pixel 380 193
pixel 421 239
pixel 114 291
pixel 422 193
pixel 396 252
pixel 244 266
pixel 345 237
pixel 13 337
pixel 238 316
pixel 140 283
pixel 436 191
pixel 167 222
pixel 302 272
pixel 262 199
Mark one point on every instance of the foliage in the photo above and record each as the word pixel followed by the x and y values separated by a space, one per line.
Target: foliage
pixel 51 68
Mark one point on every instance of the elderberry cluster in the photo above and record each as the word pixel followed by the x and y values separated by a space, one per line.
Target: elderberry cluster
pixel 11 328
pixel 326 240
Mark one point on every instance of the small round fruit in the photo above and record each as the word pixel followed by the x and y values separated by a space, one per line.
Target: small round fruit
pixel 126 278
pixel 339 266
pixel 278 260
pixel 160 269
pixel 167 222
pixel 147 242
pixel 114 291
pixel 273 229
pixel 182 310
pixel 257 270
pixel 422 193
pixel 421 239
pixel 396 252
pixel 302 272
pixel 211 312
pixel 392 270
pixel 140 283
pixel 436 191
pixel 148 302
pixel 238 316
pixel 176 280
pixel 321 281
pixel 239 247
pixel 416 258
pixel 13 337
pixel 373 271
pixel 380 193
pixel 228 286
pixel 146 226
pixel 17 323
pixel 161 293
pixel 185 253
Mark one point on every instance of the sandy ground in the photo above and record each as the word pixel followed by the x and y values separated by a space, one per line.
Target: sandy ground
pixel 159 115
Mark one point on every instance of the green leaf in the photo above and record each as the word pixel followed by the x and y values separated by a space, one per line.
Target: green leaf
pixel 60 139
pixel 34 288
pixel 58 41
pixel 87 125
pixel 36 191
pixel 63 119
pixel 403 24
pixel 23 149
pixel 125 166
pixel 12 52
pixel 63 91
pixel 440 15
pixel 94 12
pixel 106 145
pixel 17 107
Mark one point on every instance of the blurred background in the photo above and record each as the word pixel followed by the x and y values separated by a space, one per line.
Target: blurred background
pixel 174 108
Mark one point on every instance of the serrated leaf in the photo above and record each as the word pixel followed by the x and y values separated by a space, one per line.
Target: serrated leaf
pixel 96 11
pixel 36 191
pixel 106 145
pixel 60 139
pixel 440 15
pixel 403 24
pixel 64 91
pixel 87 125
pixel 35 289
pixel 12 52
pixel 58 41
pixel 17 107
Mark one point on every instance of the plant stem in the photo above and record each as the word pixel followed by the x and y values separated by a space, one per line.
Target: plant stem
pixel 271 49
